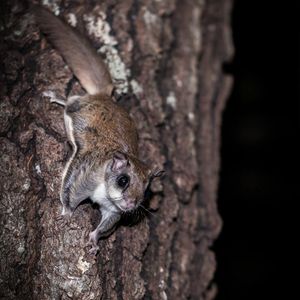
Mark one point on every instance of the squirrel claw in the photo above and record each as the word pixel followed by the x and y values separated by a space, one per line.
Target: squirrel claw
pixel 94 250
pixel 93 244
pixel 63 221
pixel 64 218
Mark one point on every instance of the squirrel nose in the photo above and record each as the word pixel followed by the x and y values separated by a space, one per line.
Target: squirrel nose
pixel 130 203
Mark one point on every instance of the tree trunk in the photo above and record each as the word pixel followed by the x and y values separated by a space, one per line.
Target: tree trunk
pixel 166 58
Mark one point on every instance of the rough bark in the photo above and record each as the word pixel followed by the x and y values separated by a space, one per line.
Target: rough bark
pixel 169 56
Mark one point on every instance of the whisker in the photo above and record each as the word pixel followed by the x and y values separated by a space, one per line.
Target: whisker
pixel 147 210
pixel 140 214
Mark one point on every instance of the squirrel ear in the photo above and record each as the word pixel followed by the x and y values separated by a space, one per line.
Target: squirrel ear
pixel 119 161
pixel 157 173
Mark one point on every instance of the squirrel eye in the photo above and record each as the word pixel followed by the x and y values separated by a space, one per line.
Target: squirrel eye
pixel 122 181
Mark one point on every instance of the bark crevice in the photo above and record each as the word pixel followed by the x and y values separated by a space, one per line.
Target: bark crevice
pixel 171 55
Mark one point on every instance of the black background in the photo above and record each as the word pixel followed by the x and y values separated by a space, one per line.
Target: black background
pixel 259 176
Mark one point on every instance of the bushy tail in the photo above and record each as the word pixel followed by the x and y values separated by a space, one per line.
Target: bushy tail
pixel 77 51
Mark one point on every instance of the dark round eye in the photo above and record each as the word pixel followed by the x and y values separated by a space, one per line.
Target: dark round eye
pixel 122 181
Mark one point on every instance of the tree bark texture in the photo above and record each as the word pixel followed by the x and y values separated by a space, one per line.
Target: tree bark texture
pixel 166 58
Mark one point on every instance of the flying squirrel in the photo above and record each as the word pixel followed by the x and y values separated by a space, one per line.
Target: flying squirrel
pixel 105 164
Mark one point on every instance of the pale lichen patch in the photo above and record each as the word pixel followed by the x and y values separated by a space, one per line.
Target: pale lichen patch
pixel 52 5
pixel 162 284
pixel 26 185
pixel 197 41
pixel 49 94
pixel 149 18
pixel 98 27
pixel 38 169
pixel 72 20
pixel 116 67
pixel 171 100
pixel 83 265
pixel 21 248
pixel 21 26
pixel 178 81
pixel 164 295
pixel 137 89
pixel 17 33
pixel 191 116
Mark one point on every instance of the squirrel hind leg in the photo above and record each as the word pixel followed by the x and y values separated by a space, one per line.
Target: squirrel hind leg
pixel 64 218
pixel 58 101
pixel 67 211
pixel 53 98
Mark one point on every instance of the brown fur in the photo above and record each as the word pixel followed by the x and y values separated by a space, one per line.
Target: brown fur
pixel 101 125
pixel 103 136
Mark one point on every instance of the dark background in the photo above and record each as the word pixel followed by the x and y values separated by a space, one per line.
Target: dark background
pixel 259 176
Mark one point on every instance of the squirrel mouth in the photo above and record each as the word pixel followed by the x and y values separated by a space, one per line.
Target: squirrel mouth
pixel 127 206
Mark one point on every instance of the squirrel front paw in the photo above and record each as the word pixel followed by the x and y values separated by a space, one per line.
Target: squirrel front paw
pixel 93 243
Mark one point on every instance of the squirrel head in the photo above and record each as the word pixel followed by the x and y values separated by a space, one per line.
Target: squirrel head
pixel 127 179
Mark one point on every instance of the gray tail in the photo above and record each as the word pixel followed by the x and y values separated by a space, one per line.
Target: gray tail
pixel 77 51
